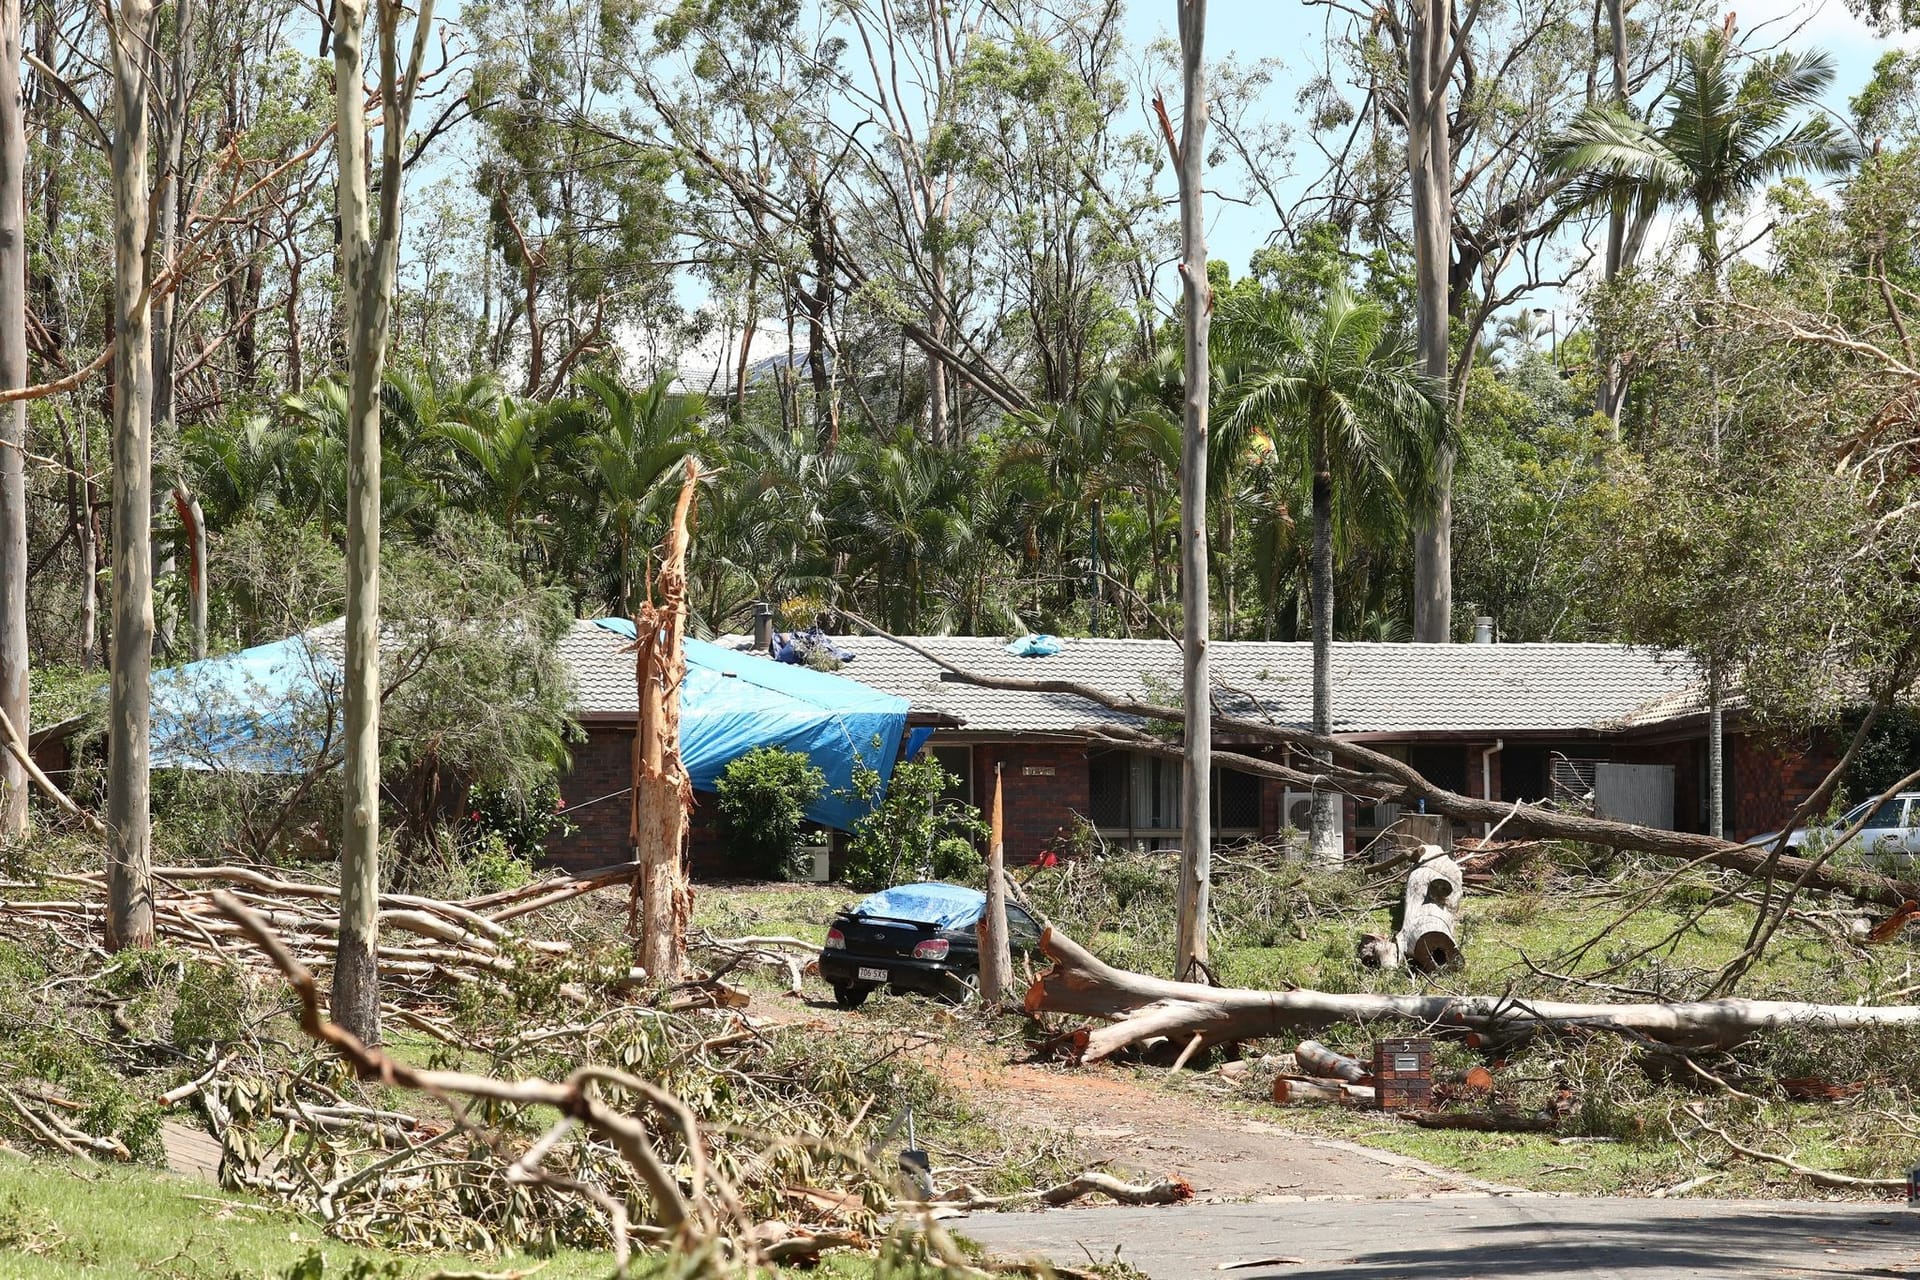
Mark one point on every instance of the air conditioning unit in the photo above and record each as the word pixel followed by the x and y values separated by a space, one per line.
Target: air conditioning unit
pixel 815 863
pixel 1296 811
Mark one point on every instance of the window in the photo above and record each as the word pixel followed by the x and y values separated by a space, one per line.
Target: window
pixel 1021 930
pixel 958 762
pixel 1134 799
pixel 1887 815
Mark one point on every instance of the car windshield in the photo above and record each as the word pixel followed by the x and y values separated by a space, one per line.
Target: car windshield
pixel 945 906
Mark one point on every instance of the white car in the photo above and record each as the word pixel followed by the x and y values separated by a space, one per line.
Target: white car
pixel 1892 832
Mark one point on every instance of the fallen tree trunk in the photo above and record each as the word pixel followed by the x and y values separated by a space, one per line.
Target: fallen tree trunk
pixel 1433 898
pixel 1140 1007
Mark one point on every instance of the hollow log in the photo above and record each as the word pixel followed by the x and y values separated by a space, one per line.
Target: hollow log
pixel 1432 904
pixel 1137 1007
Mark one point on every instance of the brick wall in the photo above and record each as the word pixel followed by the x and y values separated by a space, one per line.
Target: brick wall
pixel 1770 777
pixel 603 766
pixel 1043 786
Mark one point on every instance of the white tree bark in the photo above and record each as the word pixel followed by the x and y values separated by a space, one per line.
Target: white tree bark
pixel 129 824
pixel 1196 857
pixel 13 417
pixel 368 250
pixel 1430 167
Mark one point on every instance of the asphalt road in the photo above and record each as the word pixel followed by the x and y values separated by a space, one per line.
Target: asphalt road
pixel 1471 1238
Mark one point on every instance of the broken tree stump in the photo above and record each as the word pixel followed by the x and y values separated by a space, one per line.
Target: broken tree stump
pixel 1425 941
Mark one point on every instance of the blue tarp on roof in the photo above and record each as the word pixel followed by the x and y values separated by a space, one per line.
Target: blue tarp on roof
pixel 733 702
pixel 255 711
pixel 262 710
pixel 945 906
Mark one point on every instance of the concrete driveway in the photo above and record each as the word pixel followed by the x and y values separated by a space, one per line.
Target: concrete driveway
pixel 1471 1238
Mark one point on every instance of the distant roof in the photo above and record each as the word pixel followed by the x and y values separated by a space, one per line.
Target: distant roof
pixel 1377 688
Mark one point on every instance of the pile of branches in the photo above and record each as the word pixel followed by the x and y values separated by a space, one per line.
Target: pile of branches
pixel 591 1108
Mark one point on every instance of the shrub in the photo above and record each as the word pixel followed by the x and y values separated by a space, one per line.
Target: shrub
pixel 914 830
pixel 523 822
pixel 763 798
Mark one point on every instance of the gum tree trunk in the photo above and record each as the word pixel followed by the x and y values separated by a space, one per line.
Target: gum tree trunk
pixel 662 792
pixel 368 251
pixel 13 417
pixel 1323 842
pixel 1195 792
pixel 1430 166
pixel 129 825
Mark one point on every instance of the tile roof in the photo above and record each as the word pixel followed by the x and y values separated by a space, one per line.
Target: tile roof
pixel 1377 688
pixel 601 664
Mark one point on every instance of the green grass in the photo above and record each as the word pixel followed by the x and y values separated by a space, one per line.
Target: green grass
pixel 61 1221
pixel 795 910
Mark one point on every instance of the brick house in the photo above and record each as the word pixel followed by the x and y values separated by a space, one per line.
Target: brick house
pixel 1611 728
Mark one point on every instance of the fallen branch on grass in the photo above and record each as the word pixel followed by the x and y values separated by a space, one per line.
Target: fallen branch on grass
pixel 1092 1182
pixel 1819 1177
pixel 1139 1007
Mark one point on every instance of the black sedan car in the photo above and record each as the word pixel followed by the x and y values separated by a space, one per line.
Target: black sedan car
pixel 913 937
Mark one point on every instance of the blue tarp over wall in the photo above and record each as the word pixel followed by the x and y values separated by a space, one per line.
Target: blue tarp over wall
pixel 262 710
pixel 733 702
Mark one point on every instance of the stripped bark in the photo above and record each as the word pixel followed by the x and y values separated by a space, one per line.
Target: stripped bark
pixel 1140 1007
pixel 996 950
pixel 662 792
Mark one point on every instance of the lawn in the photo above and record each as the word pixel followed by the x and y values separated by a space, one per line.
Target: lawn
pixel 64 1221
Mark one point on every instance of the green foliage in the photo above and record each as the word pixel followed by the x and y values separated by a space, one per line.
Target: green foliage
pixel 519 823
pixel 763 796
pixel 913 832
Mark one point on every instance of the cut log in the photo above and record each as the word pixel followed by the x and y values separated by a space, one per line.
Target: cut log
pixel 1484 1121
pixel 1291 1090
pixel 1139 1007
pixel 1316 1059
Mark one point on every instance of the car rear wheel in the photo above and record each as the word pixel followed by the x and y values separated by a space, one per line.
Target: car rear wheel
pixel 851 995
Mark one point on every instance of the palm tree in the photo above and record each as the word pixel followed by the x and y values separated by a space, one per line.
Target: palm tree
pixel 1724 138
pixel 1338 392
pixel 631 458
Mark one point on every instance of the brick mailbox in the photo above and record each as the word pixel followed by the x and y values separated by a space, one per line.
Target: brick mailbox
pixel 1403 1073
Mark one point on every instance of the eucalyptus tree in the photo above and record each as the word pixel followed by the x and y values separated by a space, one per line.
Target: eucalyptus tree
pixel 369 248
pixel 1341 394
pixel 130 34
pixel 13 418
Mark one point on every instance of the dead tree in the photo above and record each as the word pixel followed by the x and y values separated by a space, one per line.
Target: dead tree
pixel 1137 1007
pixel 662 792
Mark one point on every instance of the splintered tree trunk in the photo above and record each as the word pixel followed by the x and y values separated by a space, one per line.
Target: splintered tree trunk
pixel 1196 871
pixel 129 828
pixel 1432 904
pixel 996 953
pixel 13 417
pixel 1430 166
pixel 194 524
pixel 662 793
pixel 1139 1007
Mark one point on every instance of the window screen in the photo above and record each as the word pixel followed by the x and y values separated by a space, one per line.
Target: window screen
pixel 1236 800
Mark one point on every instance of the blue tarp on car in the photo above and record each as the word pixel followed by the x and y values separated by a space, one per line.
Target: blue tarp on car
pixel 945 906
pixel 732 702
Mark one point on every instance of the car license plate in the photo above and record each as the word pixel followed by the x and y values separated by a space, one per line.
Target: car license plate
pixel 872 975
